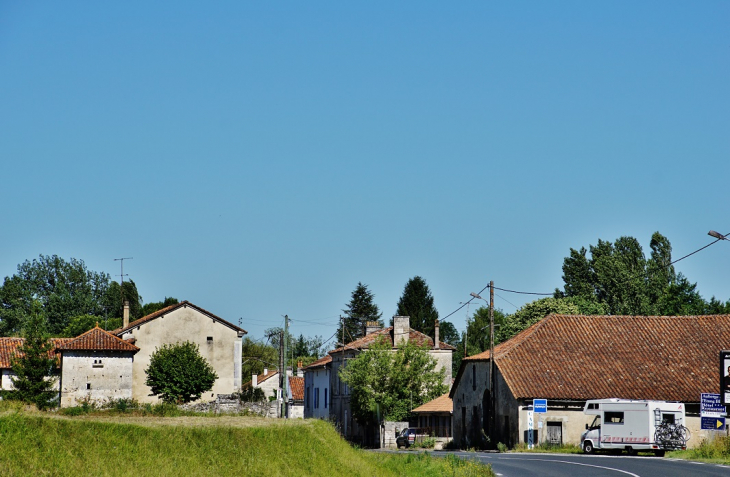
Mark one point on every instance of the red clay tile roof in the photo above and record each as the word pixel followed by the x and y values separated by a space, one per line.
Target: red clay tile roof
pixel 260 378
pixel 320 363
pixel 574 357
pixel 415 336
pixel 9 347
pixel 296 385
pixel 442 403
pixel 170 308
pixel 97 339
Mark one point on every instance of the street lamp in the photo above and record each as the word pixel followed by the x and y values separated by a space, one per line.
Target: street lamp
pixel 718 235
pixel 491 356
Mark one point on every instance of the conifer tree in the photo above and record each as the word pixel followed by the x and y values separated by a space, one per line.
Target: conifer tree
pixel 33 366
pixel 358 312
pixel 417 303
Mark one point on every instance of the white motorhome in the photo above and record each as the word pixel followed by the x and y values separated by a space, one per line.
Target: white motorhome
pixel 622 424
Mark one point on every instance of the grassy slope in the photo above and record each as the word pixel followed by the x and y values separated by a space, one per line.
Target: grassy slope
pixel 37 445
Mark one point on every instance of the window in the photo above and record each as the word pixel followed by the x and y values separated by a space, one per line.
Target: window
pixel 668 418
pixel 613 417
pixel 210 339
pixel 88 385
pixel 473 377
pixel 325 398
pixel 97 364
pixel 306 397
pixel 316 398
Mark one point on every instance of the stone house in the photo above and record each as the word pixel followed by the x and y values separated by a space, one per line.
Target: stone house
pixel 218 340
pixel 295 397
pixel 316 388
pixel 400 332
pixel 96 366
pixel 568 359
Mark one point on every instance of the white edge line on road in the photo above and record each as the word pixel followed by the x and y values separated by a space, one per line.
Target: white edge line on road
pixel 577 463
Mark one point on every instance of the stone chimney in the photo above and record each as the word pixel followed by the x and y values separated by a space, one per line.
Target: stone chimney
pixel 401 329
pixel 436 335
pixel 254 380
pixel 371 327
pixel 125 314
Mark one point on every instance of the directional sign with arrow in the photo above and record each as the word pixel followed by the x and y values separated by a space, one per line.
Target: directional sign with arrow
pixel 714 423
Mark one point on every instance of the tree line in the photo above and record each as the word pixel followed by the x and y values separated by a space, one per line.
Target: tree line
pixel 68 297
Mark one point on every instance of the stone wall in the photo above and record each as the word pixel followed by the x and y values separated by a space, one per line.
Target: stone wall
pixel 389 431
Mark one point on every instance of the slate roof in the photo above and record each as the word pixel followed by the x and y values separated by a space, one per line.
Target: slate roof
pixel 10 346
pixel 296 388
pixel 415 336
pixel 574 357
pixel 97 339
pixel 170 308
pixel 320 363
pixel 442 403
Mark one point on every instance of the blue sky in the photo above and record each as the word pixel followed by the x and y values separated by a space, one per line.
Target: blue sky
pixel 260 159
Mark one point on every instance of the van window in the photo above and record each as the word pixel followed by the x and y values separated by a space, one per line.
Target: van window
pixel 613 417
pixel 668 418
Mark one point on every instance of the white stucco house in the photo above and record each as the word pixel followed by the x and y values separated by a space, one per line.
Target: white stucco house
pixel 218 340
pixel 316 388
pixel 96 366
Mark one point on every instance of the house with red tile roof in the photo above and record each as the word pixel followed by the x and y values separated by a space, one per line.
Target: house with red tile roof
pixel 401 332
pixel 434 417
pixel 568 359
pixel 295 391
pixel 96 366
pixel 9 348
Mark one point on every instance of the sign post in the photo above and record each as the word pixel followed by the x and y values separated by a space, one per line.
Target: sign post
pixel 712 412
pixel 725 376
pixel 540 406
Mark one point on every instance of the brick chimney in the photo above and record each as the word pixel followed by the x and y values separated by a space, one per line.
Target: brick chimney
pixel 371 327
pixel 401 329
pixel 436 334
pixel 125 314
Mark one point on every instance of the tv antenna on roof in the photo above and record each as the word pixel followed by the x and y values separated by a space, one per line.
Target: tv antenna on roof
pixel 121 285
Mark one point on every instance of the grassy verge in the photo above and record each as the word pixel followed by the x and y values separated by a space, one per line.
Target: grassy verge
pixel 34 444
pixel 562 449
pixel 715 450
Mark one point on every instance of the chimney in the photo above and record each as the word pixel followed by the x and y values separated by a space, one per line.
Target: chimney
pixel 401 329
pixel 266 371
pixel 436 335
pixel 254 380
pixel 371 327
pixel 300 372
pixel 125 314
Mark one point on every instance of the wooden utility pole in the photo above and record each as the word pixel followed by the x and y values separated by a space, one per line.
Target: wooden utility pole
pixel 281 371
pixel 286 377
pixel 493 381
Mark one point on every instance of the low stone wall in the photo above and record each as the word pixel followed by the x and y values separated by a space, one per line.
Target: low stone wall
pixel 230 404
pixel 389 431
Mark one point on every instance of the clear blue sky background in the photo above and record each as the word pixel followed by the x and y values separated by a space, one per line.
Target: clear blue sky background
pixel 259 158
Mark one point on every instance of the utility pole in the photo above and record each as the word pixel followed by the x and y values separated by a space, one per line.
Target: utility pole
pixel 286 377
pixel 282 371
pixel 492 417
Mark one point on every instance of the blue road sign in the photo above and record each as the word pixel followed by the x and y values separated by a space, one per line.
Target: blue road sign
pixel 711 405
pixel 539 405
pixel 714 423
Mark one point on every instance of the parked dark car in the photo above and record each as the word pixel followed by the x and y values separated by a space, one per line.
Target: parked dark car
pixel 407 437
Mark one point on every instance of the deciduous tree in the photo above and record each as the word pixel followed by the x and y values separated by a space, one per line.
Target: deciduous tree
pixel 387 384
pixel 178 373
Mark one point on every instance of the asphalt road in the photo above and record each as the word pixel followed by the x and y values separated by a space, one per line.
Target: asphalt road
pixel 561 465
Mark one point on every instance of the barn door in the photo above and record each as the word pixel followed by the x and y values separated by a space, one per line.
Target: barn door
pixel 555 433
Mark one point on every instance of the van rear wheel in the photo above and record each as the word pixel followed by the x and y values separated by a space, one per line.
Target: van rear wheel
pixel 588 447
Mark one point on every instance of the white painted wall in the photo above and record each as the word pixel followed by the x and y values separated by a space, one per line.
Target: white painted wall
pixel 96 375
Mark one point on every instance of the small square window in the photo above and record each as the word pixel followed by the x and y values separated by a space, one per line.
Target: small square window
pixel 210 338
pixel 88 385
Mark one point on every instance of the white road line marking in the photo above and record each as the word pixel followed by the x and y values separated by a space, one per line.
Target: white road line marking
pixel 579 463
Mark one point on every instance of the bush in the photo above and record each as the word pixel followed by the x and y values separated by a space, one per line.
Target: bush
pixel 179 374
pixel 252 395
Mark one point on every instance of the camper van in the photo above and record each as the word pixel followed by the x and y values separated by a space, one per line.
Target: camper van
pixel 622 424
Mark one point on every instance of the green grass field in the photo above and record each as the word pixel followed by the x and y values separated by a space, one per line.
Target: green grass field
pixel 34 443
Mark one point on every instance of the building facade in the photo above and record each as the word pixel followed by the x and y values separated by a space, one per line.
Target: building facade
pixel 317 388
